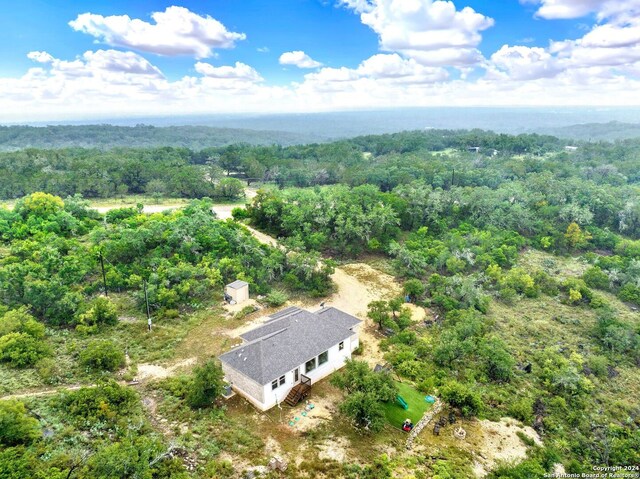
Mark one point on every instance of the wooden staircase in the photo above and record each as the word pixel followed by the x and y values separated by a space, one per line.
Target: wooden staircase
pixel 299 392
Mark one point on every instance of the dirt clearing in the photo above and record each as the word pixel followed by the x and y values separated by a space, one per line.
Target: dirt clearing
pixel 154 371
pixel 499 442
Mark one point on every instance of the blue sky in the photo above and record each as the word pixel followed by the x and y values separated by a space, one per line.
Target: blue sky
pixel 61 59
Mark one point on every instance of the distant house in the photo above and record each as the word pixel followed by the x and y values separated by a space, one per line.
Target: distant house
pixel 473 149
pixel 278 361
pixel 237 291
pixel 571 149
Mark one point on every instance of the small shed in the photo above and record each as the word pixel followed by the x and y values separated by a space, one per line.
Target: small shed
pixel 237 291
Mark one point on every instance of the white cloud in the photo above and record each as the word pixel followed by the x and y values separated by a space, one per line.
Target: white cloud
pixel 40 57
pixel 240 72
pixel 176 31
pixel 609 49
pixel 525 63
pixel 568 9
pixel 431 32
pixel 600 68
pixel 383 68
pixel 299 59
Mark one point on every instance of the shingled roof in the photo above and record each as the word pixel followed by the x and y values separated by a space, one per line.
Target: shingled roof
pixel 288 339
pixel 237 284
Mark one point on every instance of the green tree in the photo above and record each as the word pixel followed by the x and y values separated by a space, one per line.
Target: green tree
pixel 596 278
pixel 379 312
pixel 367 390
pixel 39 204
pixel 576 238
pixel 498 362
pixel 365 410
pixel 414 289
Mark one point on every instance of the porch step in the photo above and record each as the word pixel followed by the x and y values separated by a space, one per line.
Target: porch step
pixel 297 393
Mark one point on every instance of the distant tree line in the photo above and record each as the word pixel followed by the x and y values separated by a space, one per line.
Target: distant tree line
pixel 441 158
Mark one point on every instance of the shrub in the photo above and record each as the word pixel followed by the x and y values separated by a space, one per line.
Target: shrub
pixel 105 403
pixel 220 469
pixel 20 321
pixel 599 366
pixel 522 410
pixel 102 355
pixel 594 277
pixel 462 397
pixel 239 213
pixel 246 311
pixel 630 293
pixel 101 312
pixel 49 370
pixel 16 426
pixel 276 298
pixel 207 385
pixel 21 350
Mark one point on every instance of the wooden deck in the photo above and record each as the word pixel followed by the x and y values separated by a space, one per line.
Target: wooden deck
pixel 299 392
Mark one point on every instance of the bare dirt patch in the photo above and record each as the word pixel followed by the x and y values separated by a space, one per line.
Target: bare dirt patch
pixel 325 407
pixel 334 450
pixel 223 212
pixel 499 442
pixel 155 371
pixel 359 284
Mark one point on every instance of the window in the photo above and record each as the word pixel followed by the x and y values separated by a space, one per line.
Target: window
pixel 341 346
pixel 277 382
pixel 310 365
pixel 323 358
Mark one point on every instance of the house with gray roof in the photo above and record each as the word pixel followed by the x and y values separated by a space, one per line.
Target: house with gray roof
pixel 279 360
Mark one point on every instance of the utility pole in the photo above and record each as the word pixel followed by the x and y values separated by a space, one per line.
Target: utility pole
pixel 104 276
pixel 146 300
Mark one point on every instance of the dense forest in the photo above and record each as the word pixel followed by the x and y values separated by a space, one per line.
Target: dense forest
pixel 438 157
pixel 140 136
pixel 523 254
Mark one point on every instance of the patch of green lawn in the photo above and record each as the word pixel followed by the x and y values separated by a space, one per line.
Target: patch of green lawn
pixel 396 414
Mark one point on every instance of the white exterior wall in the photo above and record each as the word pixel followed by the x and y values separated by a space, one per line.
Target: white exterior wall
pixel 355 339
pixel 336 360
pixel 238 295
pixel 263 397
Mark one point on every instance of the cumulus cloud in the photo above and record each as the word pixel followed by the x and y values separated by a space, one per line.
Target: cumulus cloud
pixel 299 59
pixel 382 70
pixel 432 32
pixel 176 31
pixel 600 68
pixel 610 48
pixel 524 63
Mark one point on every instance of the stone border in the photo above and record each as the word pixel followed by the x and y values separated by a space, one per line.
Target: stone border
pixel 426 419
